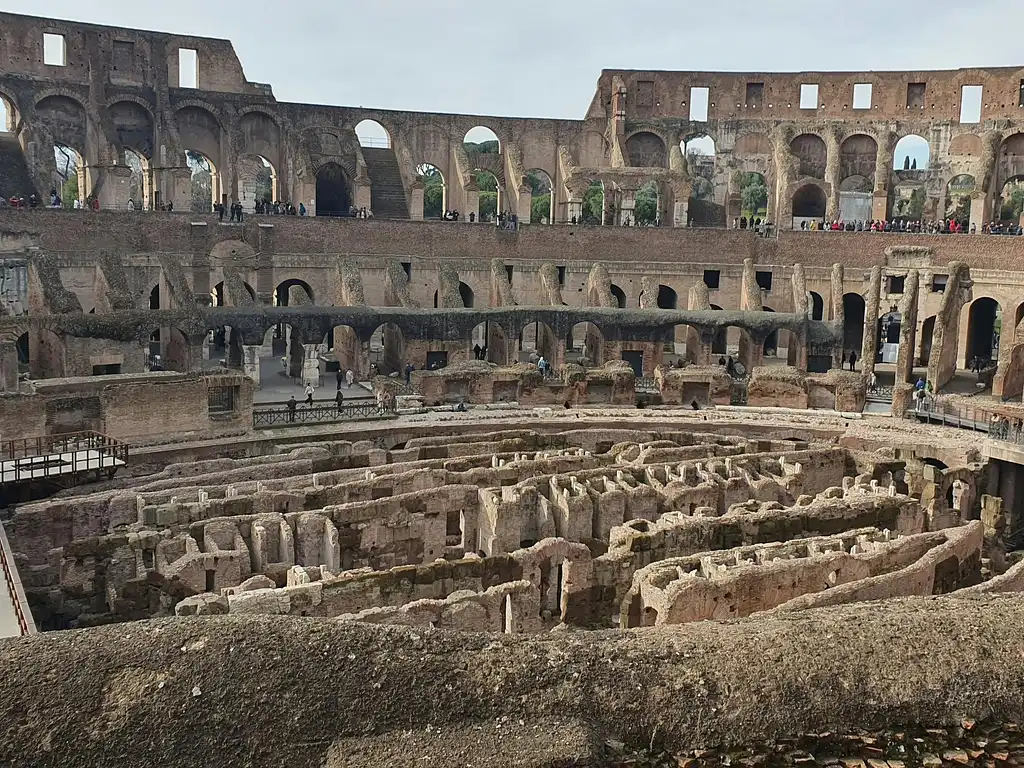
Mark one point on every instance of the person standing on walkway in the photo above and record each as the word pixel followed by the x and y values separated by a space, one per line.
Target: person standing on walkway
pixel 291 408
pixel 309 395
pixel 340 377
pixel 853 361
pixel 339 399
pixel 350 377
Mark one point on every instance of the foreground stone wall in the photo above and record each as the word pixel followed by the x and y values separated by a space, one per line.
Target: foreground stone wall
pixel 810 688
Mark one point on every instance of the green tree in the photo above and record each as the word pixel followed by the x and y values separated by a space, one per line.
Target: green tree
pixel 483 148
pixel 488 204
pixel 433 191
pixel 202 183
pixel 1013 203
pixel 960 210
pixel 264 184
pixel 540 209
pixel 646 208
pixel 486 181
pixel 593 203
pixel 753 195
pixel 538 184
pixel 69 192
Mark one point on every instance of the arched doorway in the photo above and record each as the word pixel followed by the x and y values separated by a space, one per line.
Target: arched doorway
pixel 435 197
pixel 204 192
pixel 815 305
pixel 809 204
pixel 1010 204
pixel 536 340
pixel 332 191
pixel 387 349
pixel 770 348
pixel 984 326
pixel 492 341
pixel 257 183
pixel 585 345
pixel 542 205
pixel 912 153
pixel 853 323
pixel 927 333
pixel 372 134
pixel 594 210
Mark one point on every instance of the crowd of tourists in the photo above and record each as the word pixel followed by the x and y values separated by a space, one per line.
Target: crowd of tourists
pixel 942 227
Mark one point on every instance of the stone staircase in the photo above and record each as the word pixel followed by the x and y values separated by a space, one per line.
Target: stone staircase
pixel 387 193
pixel 15 179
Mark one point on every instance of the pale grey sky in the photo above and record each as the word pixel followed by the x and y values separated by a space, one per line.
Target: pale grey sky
pixel 541 58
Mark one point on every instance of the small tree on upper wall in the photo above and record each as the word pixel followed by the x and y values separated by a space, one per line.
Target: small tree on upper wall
pixel 646 207
pixel 593 204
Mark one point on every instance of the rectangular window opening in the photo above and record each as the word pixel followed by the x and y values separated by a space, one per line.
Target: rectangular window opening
pixel 915 95
pixel 508 271
pixel 809 96
pixel 188 68
pixel 124 55
pixel 970 103
pixel 712 278
pixel 54 50
pixel 561 276
pixel 862 95
pixel 764 279
pixel 755 95
pixel 106 370
pixel 939 283
pixel 896 284
pixel 699 100
pixel 407 266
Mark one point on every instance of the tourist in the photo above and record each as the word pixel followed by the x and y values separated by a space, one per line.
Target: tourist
pixel 853 361
pixel 472 217
pixel 918 400
pixel 339 377
pixel 409 368
pixel 339 399
pixel 131 204
pixel 694 404
pixel 219 208
pixel 350 377
pixel 476 351
pixel 291 408
pixel 302 209
pixel 874 382
pixel 309 394
pixel 77 204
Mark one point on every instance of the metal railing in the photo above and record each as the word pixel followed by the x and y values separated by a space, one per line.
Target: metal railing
pixel 646 384
pixel 997 425
pixel 221 399
pixel 60 455
pixel 13 585
pixel 266 418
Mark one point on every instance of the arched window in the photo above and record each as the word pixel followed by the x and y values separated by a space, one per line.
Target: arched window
pixel 912 153
pixel 373 134
pixel 435 198
pixel 483 140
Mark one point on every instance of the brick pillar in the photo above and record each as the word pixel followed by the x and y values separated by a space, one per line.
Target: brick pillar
pixel 251 362
pixel 311 364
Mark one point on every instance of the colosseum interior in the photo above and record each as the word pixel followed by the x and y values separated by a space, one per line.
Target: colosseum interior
pixel 530 486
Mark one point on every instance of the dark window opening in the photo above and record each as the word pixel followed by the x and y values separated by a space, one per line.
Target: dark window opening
pixel 407 266
pixel 508 271
pixel 211 581
pixel 755 95
pixel 561 275
pixel 915 95
pixel 896 284
pixel 124 55
pixel 712 277
pixel 764 279
pixel 939 283
pixel 106 370
pixel 148 558
pixel 221 399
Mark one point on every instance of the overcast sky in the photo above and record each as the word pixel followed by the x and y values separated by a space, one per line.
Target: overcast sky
pixel 541 58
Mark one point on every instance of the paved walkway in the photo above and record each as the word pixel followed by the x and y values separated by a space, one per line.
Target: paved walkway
pixel 9 625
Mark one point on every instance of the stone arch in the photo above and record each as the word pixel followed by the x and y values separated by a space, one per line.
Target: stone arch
pixel 258 181
pixel 619 295
pixel 1009 205
pixel 333 190
pixel 965 145
pixel 435 190
pixel 984 326
pixel 811 153
pixel 667 297
pixel 646 150
pixel 537 339
pixel 200 130
pixel 482 135
pixel 959 190
pixel 815 306
pixel 857 157
pixel 372 134
pixel 927 335
pixel 9 117
pixel 283 292
pixel 493 341
pixel 261 135
pixel 219 297
pixel 205 182
pixel 809 202
pixel 170 350
pixel 133 124
pixel 65 118
pixel 853 323
pixel 542 187
pixel 770 347
pixel 585 342
pixel 387 349
pixel 912 152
